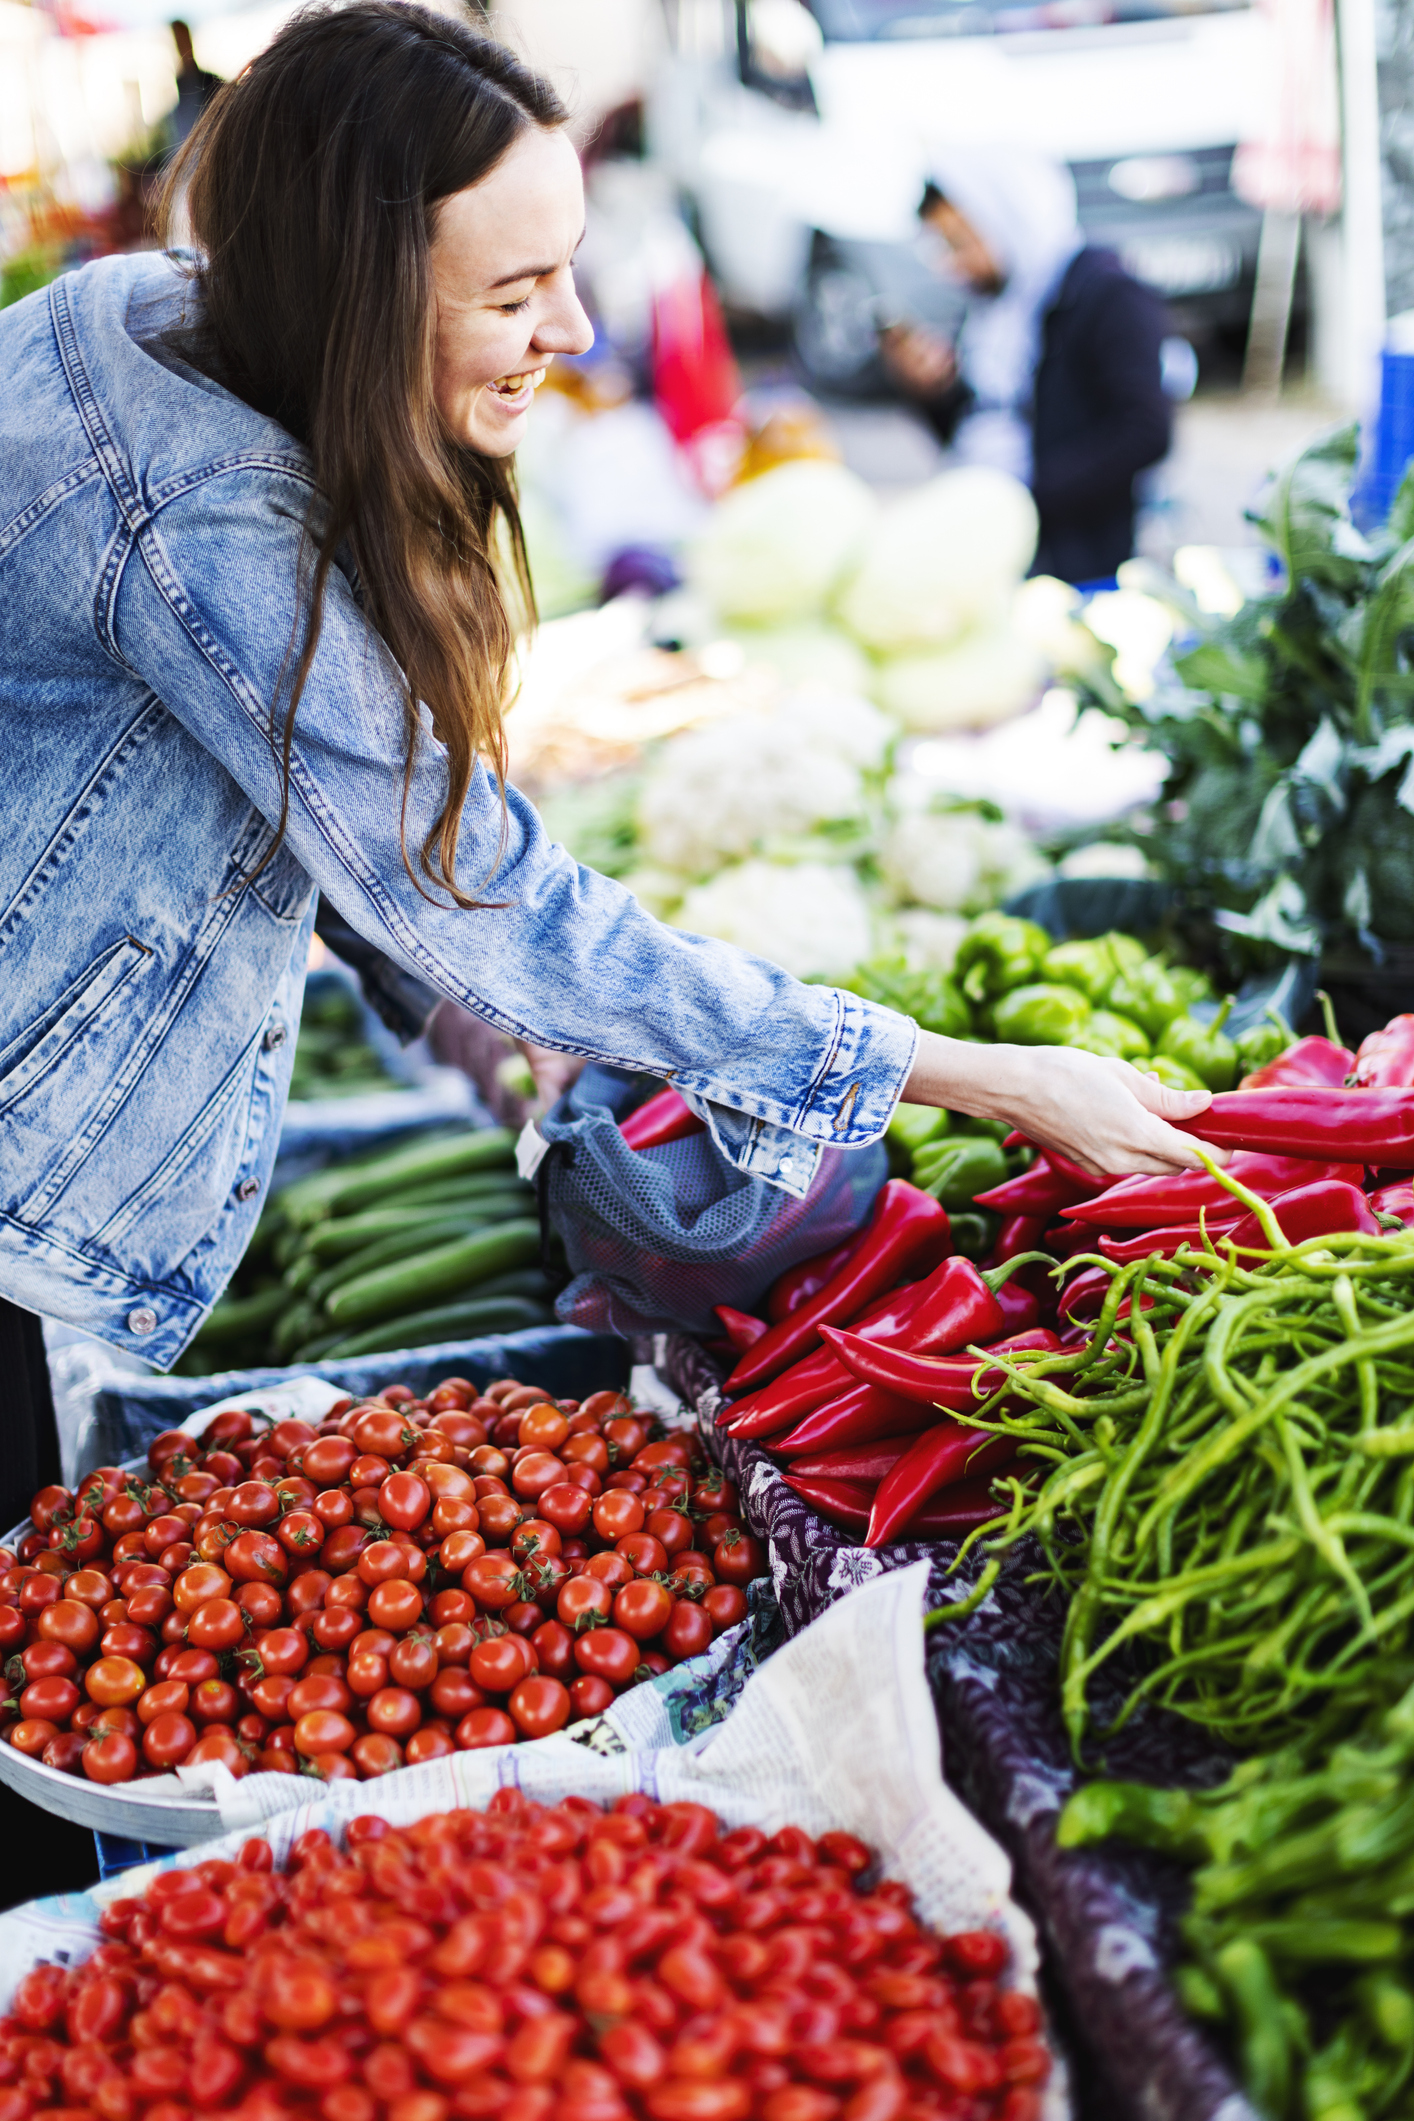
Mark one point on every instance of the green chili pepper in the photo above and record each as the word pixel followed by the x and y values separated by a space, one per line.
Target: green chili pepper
pixel 1040 1015
pixel 1202 1048
pixel 1387 2006
pixel 1161 1819
pixel 1113 1037
pixel 1146 993
pixel 1244 1973
pixel 953 1170
pixel 914 1125
pixel 997 953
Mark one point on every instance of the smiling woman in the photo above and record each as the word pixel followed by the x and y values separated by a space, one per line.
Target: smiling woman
pixel 260 576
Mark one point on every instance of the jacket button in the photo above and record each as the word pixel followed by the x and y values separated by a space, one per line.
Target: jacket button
pixel 142 1320
pixel 275 1037
pixel 247 1189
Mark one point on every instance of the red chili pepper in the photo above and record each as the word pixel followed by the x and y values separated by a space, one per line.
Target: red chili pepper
pixel 1312 1119
pixel 1043 1190
pixel 1145 1243
pixel 856 1461
pixel 1019 1233
pixel 1320 1210
pixel 1386 1056
pixel 859 1415
pixel 798 1284
pixel 941 1455
pixel 1394 1200
pixel 1310 1060
pixel 741 1329
pixel 946 1383
pixel 1084 1297
pixel 1148 1203
pixel 907 1232
pixel 847 1503
pixel 1020 1309
pixel 665 1118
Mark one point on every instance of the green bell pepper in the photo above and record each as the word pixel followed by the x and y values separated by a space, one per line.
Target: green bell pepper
pixel 914 1125
pixel 997 953
pixel 1191 985
pixel 974 1233
pixel 932 999
pixel 1259 1044
pixel 953 1170
pixel 1041 1015
pixel 1171 1072
pixel 1091 964
pixel 1113 1037
pixel 1146 993
pixel 1203 1049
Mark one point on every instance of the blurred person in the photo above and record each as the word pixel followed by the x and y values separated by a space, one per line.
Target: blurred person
pixel 259 609
pixel 1056 372
pixel 195 86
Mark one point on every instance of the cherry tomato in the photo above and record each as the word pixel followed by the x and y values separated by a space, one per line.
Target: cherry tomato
pixel 382 1561
pixel 642 1609
pixel 307 1592
pixel 376 1754
pixel 499 1664
pixel 624 1433
pixel 198 1583
pixel 321 1691
pixel 335 1628
pixel 49 1660
pixel 493 1581
pixel 738 1559
pixel 255 1557
pixel 91 1587
pixel 218 1743
pixel 262 1602
pixel 611 1569
pixel 589 1696
pixel 31 1735
pixel 13 1628
pixel 395 1604
pixel 617 1513
pixel 485 1727
pixel 536 1471
pixel 554 1646
pixel 66 1752
pixel 566 1507
pixel 404 1501
pixel 327 1460
pixel 428 1744
pixel 453 1693
pixel 302 1533
pixel 583 1599
pixel 114 1682
pixel 688 1632
pixel 544 1428
pixel 51 1506
pixel 539 1705
pixel 52 1700
pixel 283 1651
pixel 413 1663
pixel 346 1591
pixel 645 1555
pixel 454 1513
pixel 608 1653
pixel 394 1712
pixel 170 1697
pixel 37 1592
pixel 383 1433
pixel 498 1516
pixel 193 1666
pixel 217 1625
pixel 587 1450
pixel 323 1731
pixel 672 1529
pixel 167 1740
pixel 367 1672
pixel 534 1540
pixel 269 1697
pixel 333 1507
pixel 110 1758
pixel 725 1606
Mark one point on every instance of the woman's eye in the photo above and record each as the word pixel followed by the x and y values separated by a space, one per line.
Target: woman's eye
pixel 510 309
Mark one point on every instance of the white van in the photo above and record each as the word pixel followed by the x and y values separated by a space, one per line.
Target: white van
pixel 798 137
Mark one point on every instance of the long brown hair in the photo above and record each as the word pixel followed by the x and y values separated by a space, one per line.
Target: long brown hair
pixel 312 182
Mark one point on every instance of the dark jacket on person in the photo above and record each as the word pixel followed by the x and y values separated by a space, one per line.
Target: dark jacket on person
pixel 1100 416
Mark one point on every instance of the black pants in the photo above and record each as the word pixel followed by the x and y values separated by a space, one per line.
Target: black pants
pixel 29 1435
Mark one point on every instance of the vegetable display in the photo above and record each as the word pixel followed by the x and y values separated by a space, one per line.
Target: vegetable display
pixel 436 1239
pixel 411 1578
pixel 639 1964
pixel 332 1056
pixel 1298 1938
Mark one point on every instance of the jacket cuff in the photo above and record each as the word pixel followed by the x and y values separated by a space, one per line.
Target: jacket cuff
pixel 853 1098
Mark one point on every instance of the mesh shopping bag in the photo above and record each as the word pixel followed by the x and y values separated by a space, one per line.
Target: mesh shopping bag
pixel 655 1237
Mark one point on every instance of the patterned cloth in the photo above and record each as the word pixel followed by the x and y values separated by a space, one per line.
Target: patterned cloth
pixel 1107 1916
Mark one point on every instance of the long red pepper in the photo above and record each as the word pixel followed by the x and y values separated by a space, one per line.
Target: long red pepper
pixel 1364 1126
pixel 1020 1311
pixel 847 1503
pixel 908 1231
pixel 856 1461
pixel 1019 1233
pixel 1394 1200
pixel 1320 1210
pixel 950 1309
pixel 798 1284
pixel 939 1457
pixel 1310 1060
pixel 1386 1056
pixel 858 1416
pixel 741 1329
pixel 1043 1190
pixel 665 1118
pixel 946 1383
pixel 1148 1203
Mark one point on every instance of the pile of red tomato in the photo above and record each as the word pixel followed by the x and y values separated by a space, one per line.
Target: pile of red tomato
pixel 412 1578
pixel 525 1963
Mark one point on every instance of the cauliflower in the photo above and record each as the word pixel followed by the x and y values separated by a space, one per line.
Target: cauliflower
pixel 928 941
pixel 723 791
pixel 810 653
pixel 983 678
pixel 776 548
pixel 958 861
pixel 812 918
pixel 944 559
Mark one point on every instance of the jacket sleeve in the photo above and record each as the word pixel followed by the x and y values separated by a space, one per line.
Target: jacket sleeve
pixel 205 613
pixel 1123 333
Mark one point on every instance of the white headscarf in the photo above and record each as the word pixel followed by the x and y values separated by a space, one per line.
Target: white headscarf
pixel 1023 207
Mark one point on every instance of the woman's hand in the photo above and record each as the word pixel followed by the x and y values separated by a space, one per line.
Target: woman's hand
pixel 1103 1114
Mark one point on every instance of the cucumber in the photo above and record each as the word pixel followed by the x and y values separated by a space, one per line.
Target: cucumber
pixel 522 1281
pixel 453 1192
pixel 450 1270
pixel 296 1324
pixel 299 1276
pixel 306 1200
pixel 315 1350
pixel 479 1149
pixel 397 1246
pixel 492 1314
pixel 240 1317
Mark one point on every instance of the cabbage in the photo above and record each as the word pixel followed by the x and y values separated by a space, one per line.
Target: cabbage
pixel 808 653
pixel 983 678
pixel 812 919
pixel 945 558
pixel 777 548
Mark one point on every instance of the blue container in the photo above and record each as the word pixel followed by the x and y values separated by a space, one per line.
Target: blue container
pixel 1392 442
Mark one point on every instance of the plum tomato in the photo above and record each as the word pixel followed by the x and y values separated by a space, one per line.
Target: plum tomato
pixel 109 1758
pixel 483 1727
pixel 404 1501
pixel 590 1696
pixel 725 1606
pixel 689 1631
pixel 254 1505
pixel 642 1609
pixel 114 1682
pixel 539 1705
pixel 738 1559
pixel 167 1740
pixel 170 1697
pixel 394 1712
pixel 395 1604
pixel 493 1581
pixel 607 1653
pixel 616 1513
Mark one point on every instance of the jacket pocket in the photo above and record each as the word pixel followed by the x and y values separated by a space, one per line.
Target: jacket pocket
pixel 30 1055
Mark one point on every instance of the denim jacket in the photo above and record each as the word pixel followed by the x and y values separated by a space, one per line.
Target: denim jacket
pixel 150 980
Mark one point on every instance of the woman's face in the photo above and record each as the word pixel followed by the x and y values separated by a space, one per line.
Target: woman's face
pixel 504 289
